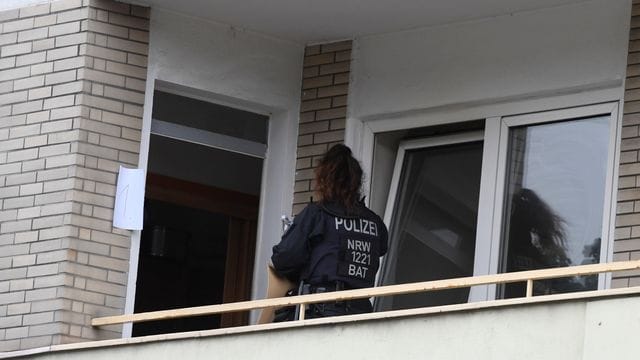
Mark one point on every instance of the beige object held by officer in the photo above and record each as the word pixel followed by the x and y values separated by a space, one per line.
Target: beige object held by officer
pixel 277 286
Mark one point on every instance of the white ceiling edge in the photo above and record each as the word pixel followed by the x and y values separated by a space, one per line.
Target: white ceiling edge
pixel 6 5
pixel 299 22
pixel 309 22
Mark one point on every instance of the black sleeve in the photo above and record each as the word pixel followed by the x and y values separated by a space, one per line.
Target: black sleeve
pixel 384 238
pixel 291 255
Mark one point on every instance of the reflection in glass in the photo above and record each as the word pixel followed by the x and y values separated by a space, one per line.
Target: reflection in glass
pixel 555 200
pixel 434 223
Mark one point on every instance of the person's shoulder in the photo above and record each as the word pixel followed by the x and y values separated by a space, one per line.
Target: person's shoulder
pixel 368 213
pixel 311 209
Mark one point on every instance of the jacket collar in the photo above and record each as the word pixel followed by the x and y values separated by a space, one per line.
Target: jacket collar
pixel 335 209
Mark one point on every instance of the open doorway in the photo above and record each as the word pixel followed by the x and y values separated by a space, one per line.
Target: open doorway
pixel 201 211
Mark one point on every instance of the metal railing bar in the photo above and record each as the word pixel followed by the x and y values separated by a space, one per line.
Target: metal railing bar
pixel 400 289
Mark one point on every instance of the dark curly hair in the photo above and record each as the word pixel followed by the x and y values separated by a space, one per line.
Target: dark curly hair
pixel 339 177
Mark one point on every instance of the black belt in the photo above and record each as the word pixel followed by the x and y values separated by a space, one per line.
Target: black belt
pixel 326 287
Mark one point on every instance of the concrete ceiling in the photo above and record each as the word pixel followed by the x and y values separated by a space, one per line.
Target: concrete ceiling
pixel 311 21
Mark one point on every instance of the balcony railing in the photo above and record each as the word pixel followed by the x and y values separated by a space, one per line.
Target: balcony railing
pixel 303 300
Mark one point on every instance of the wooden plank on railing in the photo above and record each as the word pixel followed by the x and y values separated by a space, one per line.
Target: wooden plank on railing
pixel 529 292
pixel 371 292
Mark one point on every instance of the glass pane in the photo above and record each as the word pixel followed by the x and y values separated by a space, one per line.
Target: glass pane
pixel 433 229
pixel 211 117
pixel 555 200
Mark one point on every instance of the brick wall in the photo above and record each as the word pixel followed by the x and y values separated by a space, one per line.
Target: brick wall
pixel 322 112
pixel 627 234
pixel 72 79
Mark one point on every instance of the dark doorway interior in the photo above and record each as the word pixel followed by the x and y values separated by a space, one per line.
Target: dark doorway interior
pixel 181 264
pixel 197 248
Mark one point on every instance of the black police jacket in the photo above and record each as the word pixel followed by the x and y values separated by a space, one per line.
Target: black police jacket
pixel 326 244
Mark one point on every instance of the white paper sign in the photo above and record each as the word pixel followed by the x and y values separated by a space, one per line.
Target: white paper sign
pixel 128 210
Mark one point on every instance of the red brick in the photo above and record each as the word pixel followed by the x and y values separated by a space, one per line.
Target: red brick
pixel 334 90
pixel 305 140
pixel 339 101
pixel 633 58
pixel 303 163
pixel 302 185
pixel 315 105
pixel 297 208
pixel 319 81
pixel 631 107
pixel 336 46
pixel 310 71
pixel 335 68
pixel 141 11
pixel 337 124
pixel 313 127
pixel 632 119
pixel 306 174
pixel 341 78
pixel 312 150
pixel 327 137
pixel 308 117
pixel 303 197
pixel 312 50
pixel 632 83
pixel 319 59
pixel 111 6
pixel 309 94
pixel 343 55
pixel 334 113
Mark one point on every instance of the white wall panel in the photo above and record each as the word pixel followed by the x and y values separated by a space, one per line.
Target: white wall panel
pixel 536 53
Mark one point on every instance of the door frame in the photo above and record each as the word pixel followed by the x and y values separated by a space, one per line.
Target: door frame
pixel 278 166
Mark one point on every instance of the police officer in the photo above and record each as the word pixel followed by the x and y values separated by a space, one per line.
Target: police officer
pixel 335 243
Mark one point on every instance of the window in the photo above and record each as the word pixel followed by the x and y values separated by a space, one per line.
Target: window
pixel 528 192
pixel 554 203
pixel 434 217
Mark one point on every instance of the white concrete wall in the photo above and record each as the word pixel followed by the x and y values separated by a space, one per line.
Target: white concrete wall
pixel 576 330
pixel 241 69
pixel 533 53
pixel 225 60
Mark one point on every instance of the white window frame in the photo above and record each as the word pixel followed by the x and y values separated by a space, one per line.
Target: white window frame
pixel 493 180
pixel 422 143
pixel 507 123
